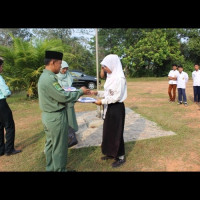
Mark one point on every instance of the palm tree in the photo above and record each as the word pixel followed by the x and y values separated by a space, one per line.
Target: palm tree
pixel 24 62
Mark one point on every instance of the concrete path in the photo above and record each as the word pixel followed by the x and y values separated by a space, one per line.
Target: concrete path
pixel 136 128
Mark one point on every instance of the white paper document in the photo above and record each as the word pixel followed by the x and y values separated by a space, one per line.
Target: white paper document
pixel 87 100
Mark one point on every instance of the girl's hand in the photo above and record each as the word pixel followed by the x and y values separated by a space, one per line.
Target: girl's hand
pixel 98 102
pixel 93 93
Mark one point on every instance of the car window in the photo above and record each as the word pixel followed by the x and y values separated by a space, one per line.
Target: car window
pixel 76 74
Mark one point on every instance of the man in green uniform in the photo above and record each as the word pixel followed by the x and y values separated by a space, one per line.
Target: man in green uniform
pixel 52 101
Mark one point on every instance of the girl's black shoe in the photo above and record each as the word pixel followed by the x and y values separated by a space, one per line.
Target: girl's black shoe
pixel 118 163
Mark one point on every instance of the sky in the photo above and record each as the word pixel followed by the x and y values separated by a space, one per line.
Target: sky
pixel 78 32
pixel 86 33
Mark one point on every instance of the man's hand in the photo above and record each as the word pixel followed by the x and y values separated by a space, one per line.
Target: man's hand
pixel 85 90
pixel 98 102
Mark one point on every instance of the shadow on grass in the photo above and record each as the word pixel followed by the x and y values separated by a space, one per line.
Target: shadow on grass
pixel 78 157
pixel 129 147
pixel 31 140
pixel 192 99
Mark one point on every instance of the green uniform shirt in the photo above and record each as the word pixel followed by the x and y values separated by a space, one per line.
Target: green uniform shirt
pixel 52 97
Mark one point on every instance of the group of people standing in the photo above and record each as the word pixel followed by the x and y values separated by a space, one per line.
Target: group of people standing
pixel 58 115
pixel 178 79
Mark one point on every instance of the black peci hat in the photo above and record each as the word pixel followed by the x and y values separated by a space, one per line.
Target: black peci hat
pixel 53 55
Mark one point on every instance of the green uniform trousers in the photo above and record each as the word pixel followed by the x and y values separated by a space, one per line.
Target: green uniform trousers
pixel 56 129
pixel 72 116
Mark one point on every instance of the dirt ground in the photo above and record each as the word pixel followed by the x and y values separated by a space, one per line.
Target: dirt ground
pixel 150 99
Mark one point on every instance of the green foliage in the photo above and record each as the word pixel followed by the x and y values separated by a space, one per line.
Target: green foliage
pixel 150 52
pixel 151 55
pixel 6 39
pixel 188 67
pixel 24 61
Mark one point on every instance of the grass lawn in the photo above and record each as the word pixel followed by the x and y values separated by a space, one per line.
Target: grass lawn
pixel 147 96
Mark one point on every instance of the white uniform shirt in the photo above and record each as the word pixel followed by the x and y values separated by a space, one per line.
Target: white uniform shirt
pixel 173 73
pixel 4 90
pixel 196 78
pixel 117 95
pixel 182 79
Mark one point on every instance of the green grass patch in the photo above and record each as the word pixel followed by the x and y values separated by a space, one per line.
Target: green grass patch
pixel 155 154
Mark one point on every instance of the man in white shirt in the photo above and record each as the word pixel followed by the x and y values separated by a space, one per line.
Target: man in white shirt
pixel 196 83
pixel 172 83
pixel 182 79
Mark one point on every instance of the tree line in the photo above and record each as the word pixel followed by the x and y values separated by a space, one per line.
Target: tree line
pixel 150 52
pixel 144 52
pixel 23 52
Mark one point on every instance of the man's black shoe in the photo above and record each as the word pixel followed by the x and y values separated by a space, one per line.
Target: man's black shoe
pixel 106 158
pixel 118 163
pixel 13 152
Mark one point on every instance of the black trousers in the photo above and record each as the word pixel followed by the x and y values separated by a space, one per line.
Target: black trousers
pixel 196 93
pixel 113 130
pixel 7 122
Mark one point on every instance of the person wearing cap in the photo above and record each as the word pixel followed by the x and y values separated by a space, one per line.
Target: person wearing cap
pixel 182 79
pixel 52 102
pixel 65 79
pixel 6 120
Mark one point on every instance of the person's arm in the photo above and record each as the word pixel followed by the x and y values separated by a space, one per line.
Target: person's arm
pixel 99 94
pixel 56 92
pixel 4 88
pixel 169 76
pixel 186 77
pixel 102 73
pixel 113 97
pixel 193 75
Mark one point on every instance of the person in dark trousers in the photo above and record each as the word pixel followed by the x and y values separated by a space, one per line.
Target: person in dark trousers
pixel 114 94
pixel 196 83
pixel 6 120
pixel 182 79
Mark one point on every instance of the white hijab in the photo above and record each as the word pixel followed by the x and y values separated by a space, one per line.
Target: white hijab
pixel 113 62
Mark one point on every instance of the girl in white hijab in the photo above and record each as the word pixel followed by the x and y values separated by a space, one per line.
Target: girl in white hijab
pixel 115 92
pixel 65 79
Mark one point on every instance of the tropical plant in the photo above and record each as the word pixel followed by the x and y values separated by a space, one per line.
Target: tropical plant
pixel 24 62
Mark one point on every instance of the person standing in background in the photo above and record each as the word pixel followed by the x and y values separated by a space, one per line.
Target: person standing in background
pixel 182 79
pixel 172 83
pixel 65 79
pixel 196 83
pixel 6 120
